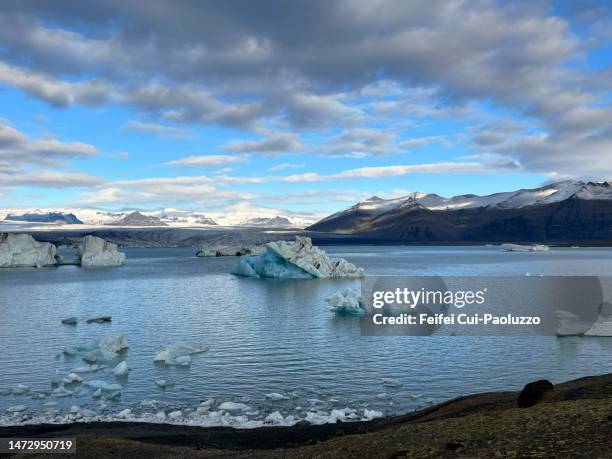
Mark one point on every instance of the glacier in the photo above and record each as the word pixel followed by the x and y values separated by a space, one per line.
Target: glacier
pixel 297 259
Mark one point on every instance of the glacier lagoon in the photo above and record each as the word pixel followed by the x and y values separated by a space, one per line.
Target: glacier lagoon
pixel 274 344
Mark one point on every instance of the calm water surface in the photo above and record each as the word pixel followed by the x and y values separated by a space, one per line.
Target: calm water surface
pixel 269 336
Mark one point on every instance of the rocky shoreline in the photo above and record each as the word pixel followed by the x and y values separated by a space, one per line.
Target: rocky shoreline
pixel 573 420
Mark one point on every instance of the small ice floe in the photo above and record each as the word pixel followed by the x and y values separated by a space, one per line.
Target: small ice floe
pixel 163 383
pixel 121 369
pixel 275 396
pixel 372 414
pixel 384 395
pixel 346 301
pixel 70 321
pixel 233 406
pixel 103 385
pixel 99 319
pixel 176 354
pixel 50 404
pixel 390 382
pixel 16 408
pixel 20 389
pixel 207 403
pixel 88 368
pixel 72 378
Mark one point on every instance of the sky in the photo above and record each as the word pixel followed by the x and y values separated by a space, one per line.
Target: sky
pixel 297 107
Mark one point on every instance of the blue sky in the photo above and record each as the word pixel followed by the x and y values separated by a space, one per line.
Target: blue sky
pixel 302 108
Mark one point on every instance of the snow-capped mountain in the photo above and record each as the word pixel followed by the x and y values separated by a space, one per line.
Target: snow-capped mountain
pixel 559 211
pixel 237 216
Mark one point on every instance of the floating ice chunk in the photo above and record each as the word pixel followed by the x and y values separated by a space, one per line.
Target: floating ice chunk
pixel 275 396
pixel 175 353
pixel 274 418
pixel 174 415
pixel 103 385
pixel 347 301
pixel 160 416
pixel 72 378
pixel 232 406
pixel 70 321
pixel 163 383
pixel 16 408
pixel 149 403
pixel 20 389
pixel 87 413
pixel 22 250
pixel 208 403
pixel 121 369
pixel 49 404
pixel 97 393
pixel 99 319
pixel 390 382
pixel 372 414
pixel 297 259
pixel 113 343
pixel 95 251
pixel 383 395
pixel 75 409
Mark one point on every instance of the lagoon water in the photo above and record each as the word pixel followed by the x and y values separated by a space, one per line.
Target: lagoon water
pixel 269 336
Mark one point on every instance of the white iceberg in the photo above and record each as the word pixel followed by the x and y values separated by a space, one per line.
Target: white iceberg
pixel 525 248
pixel 297 259
pixel 72 378
pixel 22 250
pixel 174 415
pixel 175 354
pixel 219 250
pixel 347 301
pixel 94 251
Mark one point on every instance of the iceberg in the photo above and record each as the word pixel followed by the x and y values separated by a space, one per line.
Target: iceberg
pixel 103 385
pixel 218 250
pixel 22 250
pixel 232 406
pixel 297 259
pixel 525 248
pixel 95 252
pixel 347 301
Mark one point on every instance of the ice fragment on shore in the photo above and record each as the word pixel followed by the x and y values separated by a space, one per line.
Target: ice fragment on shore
pixel 232 406
pixel 274 418
pixel 371 414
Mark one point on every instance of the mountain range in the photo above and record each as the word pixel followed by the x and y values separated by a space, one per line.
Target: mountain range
pixel 564 212
pixel 163 217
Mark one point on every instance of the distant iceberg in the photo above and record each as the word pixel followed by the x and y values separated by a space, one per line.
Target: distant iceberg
pixel 346 302
pixel 525 248
pixel 297 259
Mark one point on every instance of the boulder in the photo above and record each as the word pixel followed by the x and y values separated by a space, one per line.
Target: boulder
pixel 22 250
pixel 95 251
pixel 534 392
pixel 297 259
pixel 214 250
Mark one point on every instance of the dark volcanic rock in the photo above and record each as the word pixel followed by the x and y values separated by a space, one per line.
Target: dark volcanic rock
pixel 534 392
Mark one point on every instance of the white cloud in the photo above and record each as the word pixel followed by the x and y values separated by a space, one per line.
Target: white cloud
pixel 208 160
pixel 159 130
